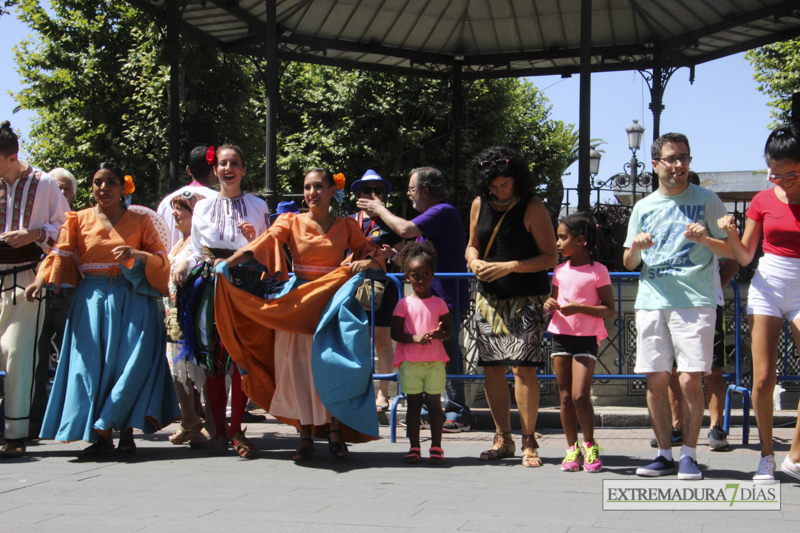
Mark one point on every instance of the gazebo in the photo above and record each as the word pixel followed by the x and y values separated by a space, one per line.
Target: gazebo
pixel 457 40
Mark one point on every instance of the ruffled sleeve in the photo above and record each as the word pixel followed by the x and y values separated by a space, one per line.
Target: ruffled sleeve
pixel 268 247
pixel 59 267
pixel 151 278
pixel 360 246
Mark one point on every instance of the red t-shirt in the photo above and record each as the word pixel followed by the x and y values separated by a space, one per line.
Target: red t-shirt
pixel 781 223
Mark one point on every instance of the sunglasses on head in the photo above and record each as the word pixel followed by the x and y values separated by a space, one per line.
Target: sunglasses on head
pixel 500 165
pixel 370 190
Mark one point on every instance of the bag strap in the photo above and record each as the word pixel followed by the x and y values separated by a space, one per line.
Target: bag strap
pixel 497 228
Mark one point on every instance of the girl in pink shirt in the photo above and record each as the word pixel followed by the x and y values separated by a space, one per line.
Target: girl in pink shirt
pixel 420 323
pixel 581 299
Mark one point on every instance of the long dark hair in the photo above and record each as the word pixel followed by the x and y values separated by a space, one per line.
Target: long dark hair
pixel 582 223
pixel 783 143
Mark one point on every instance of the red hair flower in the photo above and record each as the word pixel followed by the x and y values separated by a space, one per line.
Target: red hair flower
pixel 339 180
pixel 211 155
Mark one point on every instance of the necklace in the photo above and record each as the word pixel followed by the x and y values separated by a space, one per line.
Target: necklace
pixel 504 204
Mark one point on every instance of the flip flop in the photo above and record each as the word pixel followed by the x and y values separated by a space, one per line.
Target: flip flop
pixel 184 435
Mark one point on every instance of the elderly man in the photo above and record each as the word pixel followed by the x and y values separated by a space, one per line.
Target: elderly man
pixel 440 223
pixel 56 310
pixel 674 236
pixel 32 210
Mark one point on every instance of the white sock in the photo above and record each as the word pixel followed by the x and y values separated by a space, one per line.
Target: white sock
pixel 666 454
pixel 689 452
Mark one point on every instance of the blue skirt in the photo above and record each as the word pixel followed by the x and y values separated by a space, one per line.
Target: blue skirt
pixel 112 370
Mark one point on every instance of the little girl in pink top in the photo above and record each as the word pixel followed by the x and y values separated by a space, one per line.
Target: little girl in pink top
pixel 581 299
pixel 420 323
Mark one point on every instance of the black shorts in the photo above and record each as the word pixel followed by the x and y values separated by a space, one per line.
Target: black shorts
pixel 571 345
pixel 718 359
pixel 383 314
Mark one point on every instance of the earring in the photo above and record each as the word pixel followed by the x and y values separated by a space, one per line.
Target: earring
pixel 92 204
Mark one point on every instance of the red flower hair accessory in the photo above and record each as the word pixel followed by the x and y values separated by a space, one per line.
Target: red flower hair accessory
pixel 211 155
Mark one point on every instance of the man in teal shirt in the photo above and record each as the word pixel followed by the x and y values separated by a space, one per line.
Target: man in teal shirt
pixel 673 234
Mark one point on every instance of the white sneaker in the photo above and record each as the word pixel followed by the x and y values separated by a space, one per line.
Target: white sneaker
pixel 765 475
pixel 788 467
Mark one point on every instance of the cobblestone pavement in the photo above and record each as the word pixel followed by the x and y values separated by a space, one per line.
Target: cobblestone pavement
pixel 166 487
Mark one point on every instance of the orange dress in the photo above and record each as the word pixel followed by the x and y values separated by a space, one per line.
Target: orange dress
pixel 280 380
pixel 84 246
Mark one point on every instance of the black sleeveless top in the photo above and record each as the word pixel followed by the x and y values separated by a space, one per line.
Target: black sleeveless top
pixel 512 242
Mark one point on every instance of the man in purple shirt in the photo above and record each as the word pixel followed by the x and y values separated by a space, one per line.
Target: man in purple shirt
pixel 440 223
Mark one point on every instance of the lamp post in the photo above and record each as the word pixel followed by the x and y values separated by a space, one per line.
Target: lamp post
pixel 633 174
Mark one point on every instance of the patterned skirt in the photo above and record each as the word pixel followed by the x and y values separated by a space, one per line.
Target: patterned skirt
pixel 509 331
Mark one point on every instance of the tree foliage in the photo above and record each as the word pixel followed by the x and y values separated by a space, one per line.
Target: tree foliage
pixel 97 73
pixel 777 70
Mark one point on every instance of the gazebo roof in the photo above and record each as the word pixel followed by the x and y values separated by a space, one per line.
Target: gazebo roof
pixel 492 38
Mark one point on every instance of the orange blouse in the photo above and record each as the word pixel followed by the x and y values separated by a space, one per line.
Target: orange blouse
pixel 83 236
pixel 313 255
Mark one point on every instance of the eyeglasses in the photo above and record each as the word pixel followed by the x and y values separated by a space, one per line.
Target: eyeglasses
pixel 500 165
pixel 672 161
pixel 413 189
pixel 370 190
pixel 780 180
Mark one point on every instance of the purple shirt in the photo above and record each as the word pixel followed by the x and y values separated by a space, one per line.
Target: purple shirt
pixel 441 224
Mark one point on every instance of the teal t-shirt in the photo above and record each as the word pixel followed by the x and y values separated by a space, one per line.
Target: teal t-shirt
pixel 676 272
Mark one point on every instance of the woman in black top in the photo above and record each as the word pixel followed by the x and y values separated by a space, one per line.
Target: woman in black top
pixel 511 246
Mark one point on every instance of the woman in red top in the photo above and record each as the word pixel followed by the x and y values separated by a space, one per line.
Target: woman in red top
pixel 774 293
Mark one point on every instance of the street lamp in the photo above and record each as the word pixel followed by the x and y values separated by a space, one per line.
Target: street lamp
pixel 633 174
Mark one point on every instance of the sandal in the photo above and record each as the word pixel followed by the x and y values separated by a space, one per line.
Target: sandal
pixel 503 447
pixel 126 446
pixel 13 448
pixel 437 456
pixel 101 447
pixel 414 456
pixel 530 457
pixel 303 453
pixel 244 446
pixel 338 449
pixel 218 445
pixel 184 435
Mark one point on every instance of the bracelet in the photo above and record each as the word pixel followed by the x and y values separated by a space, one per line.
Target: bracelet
pixel 396 255
pixel 470 262
pixel 42 235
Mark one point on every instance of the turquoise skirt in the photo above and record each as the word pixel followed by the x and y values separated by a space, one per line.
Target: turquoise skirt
pixel 112 370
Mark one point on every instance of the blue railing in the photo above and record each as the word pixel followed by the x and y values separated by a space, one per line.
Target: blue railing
pixel 615 341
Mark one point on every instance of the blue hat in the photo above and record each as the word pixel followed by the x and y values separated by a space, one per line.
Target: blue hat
pixel 370 177
pixel 284 207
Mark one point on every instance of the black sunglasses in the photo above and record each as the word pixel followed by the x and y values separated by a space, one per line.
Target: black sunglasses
pixel 370 190
pixel 500 165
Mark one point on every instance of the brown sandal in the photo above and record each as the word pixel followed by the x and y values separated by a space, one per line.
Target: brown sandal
pixel 530 457
pixel 503 447
pixel 244 446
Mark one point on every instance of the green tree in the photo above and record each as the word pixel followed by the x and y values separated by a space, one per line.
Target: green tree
pixel 777 70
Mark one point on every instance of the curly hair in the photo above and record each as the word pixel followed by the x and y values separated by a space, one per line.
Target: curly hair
pixel 517 169
pixel 418 250
pixel 582 223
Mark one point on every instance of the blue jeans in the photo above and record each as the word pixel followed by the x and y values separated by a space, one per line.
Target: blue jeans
pixel 455 404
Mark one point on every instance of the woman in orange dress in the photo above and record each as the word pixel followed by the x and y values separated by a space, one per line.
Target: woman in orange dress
pixel 112 370
pixel 318 242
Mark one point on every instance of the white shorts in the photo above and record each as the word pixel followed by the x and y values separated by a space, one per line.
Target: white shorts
pixel 773 296
pixel 685 336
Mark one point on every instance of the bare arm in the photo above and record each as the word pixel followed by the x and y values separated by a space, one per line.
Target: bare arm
pixel 632 256
pixel 404 228
pixel 744 249
pixel 604 310
pixel 699 234
pixel 472 244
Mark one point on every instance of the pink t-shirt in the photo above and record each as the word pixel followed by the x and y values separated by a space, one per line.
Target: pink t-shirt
pixel 781 223
pixel 579 284
pixel 421 316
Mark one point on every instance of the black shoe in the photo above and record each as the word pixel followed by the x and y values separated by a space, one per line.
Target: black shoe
pixel 718 439
pixel 677 439
pixel 252 418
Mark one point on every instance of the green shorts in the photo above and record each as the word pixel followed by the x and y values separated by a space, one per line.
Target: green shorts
pixel 417 377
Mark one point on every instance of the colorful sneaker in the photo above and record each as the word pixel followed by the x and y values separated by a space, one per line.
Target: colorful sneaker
pixel 571 462
pixel 688 469
pixel 788 467
pixel 660 467
pixel 765 475
pixel 452 426
pixel 591 459
pixel 718 439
